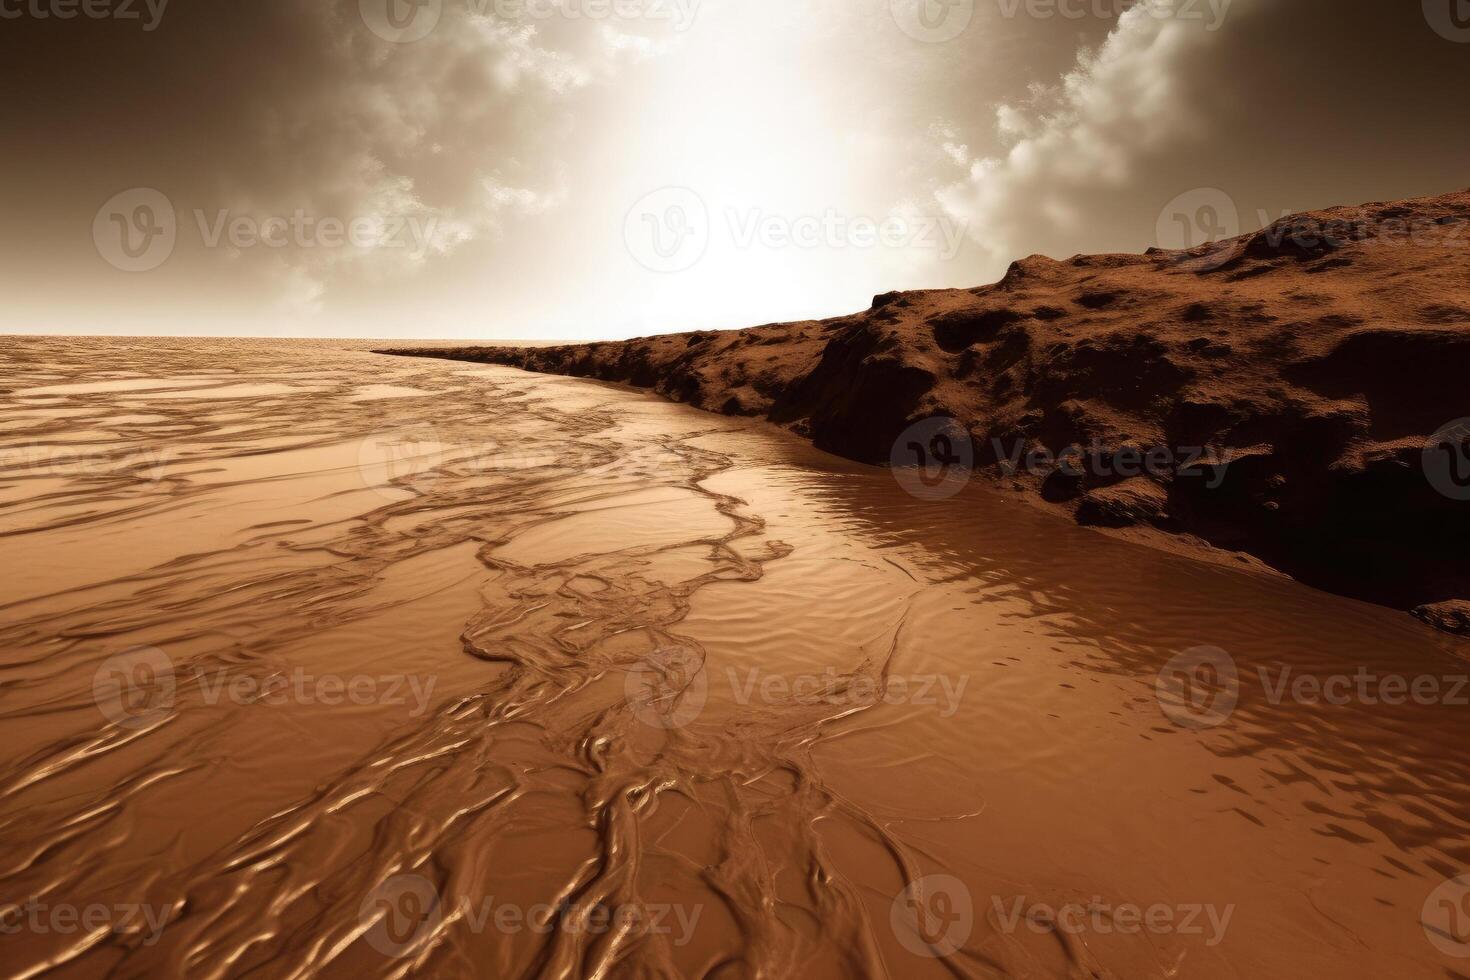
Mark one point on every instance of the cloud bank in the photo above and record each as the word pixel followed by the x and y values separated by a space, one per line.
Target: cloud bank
pixel 1167 106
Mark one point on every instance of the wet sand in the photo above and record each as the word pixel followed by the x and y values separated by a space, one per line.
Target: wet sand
pixel 320 661
pixel 1295 394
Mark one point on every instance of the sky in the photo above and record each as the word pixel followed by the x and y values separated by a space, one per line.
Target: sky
pixel 577 169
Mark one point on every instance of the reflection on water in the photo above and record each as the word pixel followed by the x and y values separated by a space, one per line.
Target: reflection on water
pixel 322 661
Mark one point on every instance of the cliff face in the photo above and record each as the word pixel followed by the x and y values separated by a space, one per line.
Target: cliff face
pixel 1283 385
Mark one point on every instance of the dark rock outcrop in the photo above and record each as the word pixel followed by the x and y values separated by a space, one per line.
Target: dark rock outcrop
pixel 1291 377
pixel 1452 616
pixel 1134 502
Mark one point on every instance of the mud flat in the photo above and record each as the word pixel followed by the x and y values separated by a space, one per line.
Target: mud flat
pixel 1297 395
pixel 514 675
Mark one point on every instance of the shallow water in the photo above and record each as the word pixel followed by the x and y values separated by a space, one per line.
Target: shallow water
pixel 524 676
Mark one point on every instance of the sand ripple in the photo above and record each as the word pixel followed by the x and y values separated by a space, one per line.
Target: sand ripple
pixel 522 676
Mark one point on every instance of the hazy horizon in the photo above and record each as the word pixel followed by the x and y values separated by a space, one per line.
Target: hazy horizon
pixel 576 169
pixel 1111 621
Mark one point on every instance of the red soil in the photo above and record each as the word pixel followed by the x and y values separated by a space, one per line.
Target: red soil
pixel 1317 356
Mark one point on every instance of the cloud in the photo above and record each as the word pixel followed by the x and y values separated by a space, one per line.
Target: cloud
pixel 273 108
pixel 1085 136
pixel 425 141
pixel 518 144
pixel 1166 105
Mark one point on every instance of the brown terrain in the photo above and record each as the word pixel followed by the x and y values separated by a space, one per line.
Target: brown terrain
pixel 320 663
pixel 1309 367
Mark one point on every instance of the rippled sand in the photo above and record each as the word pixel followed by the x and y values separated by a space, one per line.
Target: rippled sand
pixel 322 661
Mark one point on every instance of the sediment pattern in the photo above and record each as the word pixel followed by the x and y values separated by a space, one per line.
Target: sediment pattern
pixel 621 689
pixel 1293 378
